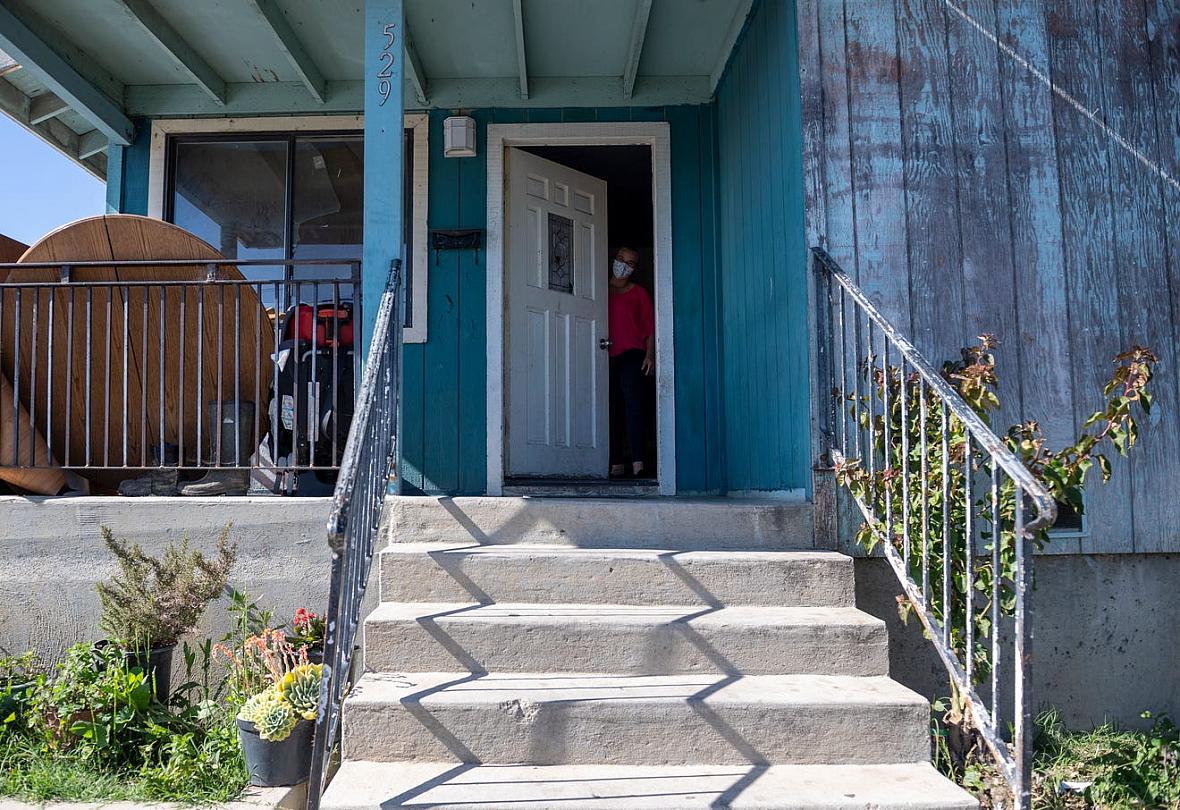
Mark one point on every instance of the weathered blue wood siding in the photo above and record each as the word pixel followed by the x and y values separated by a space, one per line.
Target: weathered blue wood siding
pixel 763 281
pixel 968 195
pixel 444 418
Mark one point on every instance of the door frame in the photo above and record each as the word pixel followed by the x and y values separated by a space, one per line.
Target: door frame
pixel 655 135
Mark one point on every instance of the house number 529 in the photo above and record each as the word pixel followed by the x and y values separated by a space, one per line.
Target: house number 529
pixel 385 73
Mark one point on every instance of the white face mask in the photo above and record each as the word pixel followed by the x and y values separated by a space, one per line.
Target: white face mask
pixel 621 269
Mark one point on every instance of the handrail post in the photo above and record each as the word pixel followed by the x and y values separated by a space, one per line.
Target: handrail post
pixel 822 405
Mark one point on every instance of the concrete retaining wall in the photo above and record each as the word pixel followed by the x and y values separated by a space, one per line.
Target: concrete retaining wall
pixel 51 556
pixel 1106 635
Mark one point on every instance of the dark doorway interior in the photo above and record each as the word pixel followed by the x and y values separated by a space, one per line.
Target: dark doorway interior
pixel 628 174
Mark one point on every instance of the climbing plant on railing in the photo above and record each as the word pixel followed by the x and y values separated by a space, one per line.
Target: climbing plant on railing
pixel 927 487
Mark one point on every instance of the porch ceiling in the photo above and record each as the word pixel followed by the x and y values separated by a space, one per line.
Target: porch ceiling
pixel 171 58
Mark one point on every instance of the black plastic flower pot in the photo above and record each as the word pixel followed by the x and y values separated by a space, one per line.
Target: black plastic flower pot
pixel 156 662
pixel 277 764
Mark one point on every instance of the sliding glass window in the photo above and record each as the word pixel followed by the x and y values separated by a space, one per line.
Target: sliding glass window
pixel 291 196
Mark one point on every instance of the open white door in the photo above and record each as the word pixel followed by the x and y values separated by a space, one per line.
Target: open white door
pixel 556 370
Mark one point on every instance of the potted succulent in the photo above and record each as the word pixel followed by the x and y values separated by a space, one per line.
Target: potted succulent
pixel 308 631
pixel 152 601
pixel 277 720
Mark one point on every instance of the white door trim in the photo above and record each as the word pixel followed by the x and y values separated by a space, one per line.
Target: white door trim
pixel 653 134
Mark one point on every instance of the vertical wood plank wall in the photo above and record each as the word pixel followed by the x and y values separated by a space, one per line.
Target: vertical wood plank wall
pixel 967 193
pixel 763 281
pixel 444 416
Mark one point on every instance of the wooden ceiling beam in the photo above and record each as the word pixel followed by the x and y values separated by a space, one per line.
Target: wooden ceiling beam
pixel 309 72
pixel 414 71
pixel 635 49
pixel 91 143
pixel 43 60
pixel 521 63
pixel 740 15
pixel 15 104
pixel 44 107
pixel 150 21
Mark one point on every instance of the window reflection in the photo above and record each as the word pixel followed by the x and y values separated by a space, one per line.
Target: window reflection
pixel 233 195
pixel 327 205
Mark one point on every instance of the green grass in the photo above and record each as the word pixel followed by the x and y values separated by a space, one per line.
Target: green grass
pixel 1113 768
pixel 209 773
pixel 1127 768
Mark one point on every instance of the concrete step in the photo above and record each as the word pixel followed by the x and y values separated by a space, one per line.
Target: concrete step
pixel 545 719
pixel 717 523
pixel 435 572
pixel 446 786
pixel 627 639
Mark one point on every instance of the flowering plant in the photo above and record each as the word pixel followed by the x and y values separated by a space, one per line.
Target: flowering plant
pixel 275 680
pixel 259 662
pixel 308 630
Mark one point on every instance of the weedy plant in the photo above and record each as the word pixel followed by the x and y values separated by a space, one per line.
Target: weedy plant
pixel 953 478
pixel 152 602
pixel 1108 766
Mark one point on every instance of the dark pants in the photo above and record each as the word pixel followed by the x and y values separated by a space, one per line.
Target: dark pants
pixel 628 406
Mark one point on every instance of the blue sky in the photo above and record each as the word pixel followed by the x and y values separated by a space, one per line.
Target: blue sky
pixel 40 188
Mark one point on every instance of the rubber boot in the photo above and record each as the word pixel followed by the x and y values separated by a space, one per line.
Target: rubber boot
pixel 160 481
pixel 236 433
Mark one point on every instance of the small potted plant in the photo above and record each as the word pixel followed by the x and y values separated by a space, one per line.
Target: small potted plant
pixel 152 601
pixel 277 720
pixel 308 631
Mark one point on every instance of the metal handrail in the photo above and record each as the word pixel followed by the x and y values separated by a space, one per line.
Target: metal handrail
pixel 850 425
pixel 81 326
pixel 97 263
pixel 369 465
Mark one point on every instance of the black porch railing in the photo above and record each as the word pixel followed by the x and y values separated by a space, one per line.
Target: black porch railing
pixel 945 501
pixel 370 459
pixel 111 366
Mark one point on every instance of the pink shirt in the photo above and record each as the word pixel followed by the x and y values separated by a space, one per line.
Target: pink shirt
pixel 632 320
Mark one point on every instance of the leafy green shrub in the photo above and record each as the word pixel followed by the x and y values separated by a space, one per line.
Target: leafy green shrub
pixel 153 601
pixel 927 497
pixel 95 707
pixel 91 731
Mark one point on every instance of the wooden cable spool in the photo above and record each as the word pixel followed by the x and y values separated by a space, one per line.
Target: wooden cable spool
pixel 161 333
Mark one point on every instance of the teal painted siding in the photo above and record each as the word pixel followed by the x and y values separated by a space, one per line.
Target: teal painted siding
pixel 444 414
pixel 127 172
pixel 763 269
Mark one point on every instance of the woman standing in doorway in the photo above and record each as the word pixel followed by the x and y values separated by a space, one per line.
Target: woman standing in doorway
pixel 632 358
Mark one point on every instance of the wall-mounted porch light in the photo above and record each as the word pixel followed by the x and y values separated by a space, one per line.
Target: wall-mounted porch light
pixel 459 136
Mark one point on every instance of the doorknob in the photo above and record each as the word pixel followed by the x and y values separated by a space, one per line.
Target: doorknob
pixel 604 343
